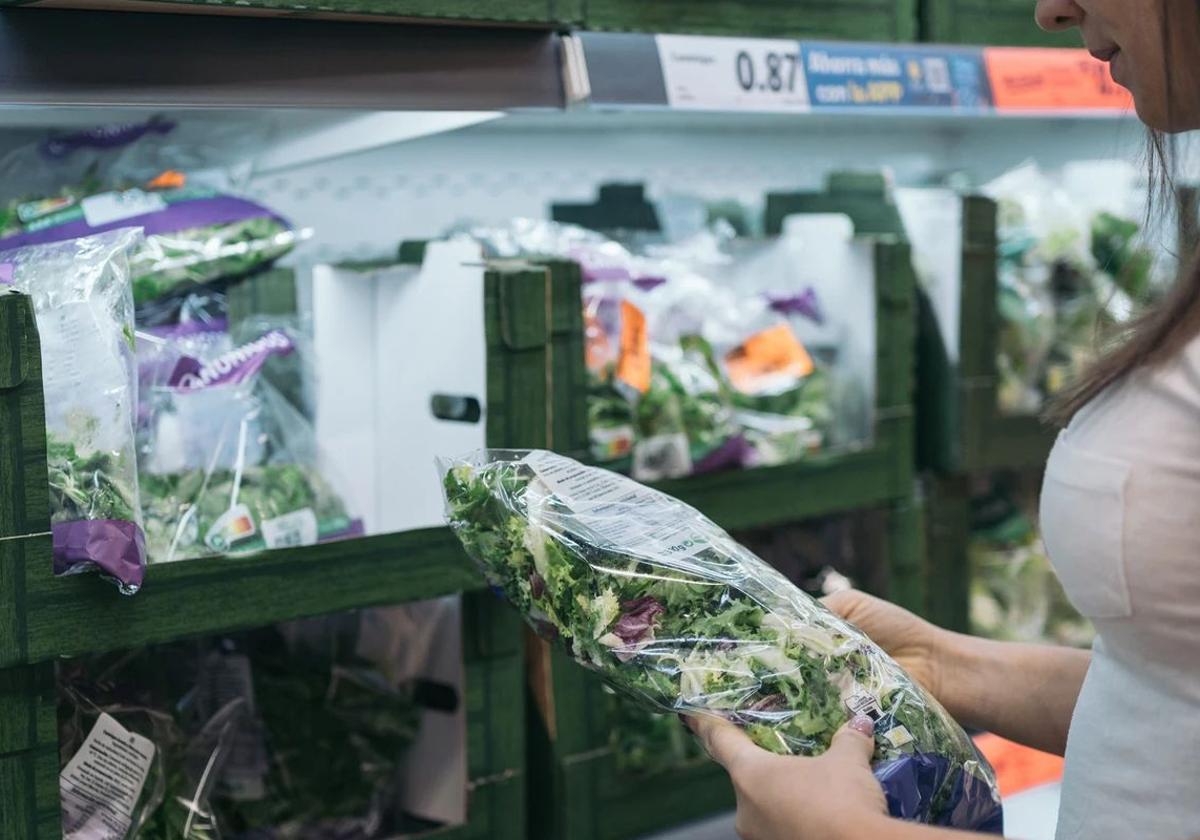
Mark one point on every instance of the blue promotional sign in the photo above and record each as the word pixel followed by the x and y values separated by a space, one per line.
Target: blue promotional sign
pixel 857 76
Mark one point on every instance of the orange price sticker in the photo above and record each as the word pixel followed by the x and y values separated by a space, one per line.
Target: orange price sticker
pixel 1052 79
pixel 766 357
pixel 633 362
pixel 169 180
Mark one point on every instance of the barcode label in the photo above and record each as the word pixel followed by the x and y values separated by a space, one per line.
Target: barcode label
pixel 291 530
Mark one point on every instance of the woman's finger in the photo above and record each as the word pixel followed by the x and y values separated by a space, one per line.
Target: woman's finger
pixel 855 740
pixel 722 740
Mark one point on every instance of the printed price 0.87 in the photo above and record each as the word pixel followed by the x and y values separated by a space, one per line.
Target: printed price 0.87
pixel 776 74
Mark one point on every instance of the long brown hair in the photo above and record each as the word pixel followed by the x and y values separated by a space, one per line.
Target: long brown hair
pixel 1164 329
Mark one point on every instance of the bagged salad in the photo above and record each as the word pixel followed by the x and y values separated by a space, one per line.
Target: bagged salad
pixel 228 464
pixel 289 732
pixel 669 610
pixel 81 297
pixel 196 229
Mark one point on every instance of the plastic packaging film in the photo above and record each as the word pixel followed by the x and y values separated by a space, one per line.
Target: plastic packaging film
pixel 669 610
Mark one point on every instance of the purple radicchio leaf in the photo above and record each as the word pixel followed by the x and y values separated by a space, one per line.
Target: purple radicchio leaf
pixel 638 619
pixel 537 586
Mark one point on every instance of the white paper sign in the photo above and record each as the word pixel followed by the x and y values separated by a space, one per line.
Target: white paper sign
pixel 106 208
pixel 733 74
pixel 100 786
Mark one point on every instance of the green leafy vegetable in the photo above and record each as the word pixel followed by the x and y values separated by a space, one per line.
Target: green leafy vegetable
pixel 87 487
pixel 181 509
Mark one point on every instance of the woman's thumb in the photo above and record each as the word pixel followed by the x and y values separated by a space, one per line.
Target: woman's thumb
pixel 855 740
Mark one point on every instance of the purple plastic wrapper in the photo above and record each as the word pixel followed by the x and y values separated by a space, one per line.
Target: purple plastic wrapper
pixel 805 303
pixel 911 783
pixel 184 215
pixel 734 452
pixel 114 546
pixel 103 137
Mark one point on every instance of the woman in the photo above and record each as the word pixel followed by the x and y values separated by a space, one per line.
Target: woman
pixel 1121 521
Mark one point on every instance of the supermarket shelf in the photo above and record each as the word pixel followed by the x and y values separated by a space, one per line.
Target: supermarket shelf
pixel 530 13
pixel 84 614
pixel 157 60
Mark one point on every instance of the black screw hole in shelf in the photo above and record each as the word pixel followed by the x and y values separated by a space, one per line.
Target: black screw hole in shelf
pixel 456 408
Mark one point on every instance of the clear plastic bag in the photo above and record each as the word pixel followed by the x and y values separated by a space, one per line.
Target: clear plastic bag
pixel 85 183
pixel 669 610
pixel 294 732
pixel 81 297
pixel 228 464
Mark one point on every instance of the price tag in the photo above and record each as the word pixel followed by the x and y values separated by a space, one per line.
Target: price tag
pixel 106 208
pixel 633 364
pixel 1050 79
pixel 732 74
pixel 768 361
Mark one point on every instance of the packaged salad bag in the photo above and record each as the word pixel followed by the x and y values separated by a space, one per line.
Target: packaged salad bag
pixel 293 732
pixel 81 298
pixel 228 464
pixel 669 610
pixel 197 229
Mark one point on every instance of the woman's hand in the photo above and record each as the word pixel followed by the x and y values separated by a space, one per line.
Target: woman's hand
pixel 921 648
pixel 782 797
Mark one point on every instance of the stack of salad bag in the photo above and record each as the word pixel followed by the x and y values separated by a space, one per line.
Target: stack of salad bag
pixel 228 464
pixel 197 229
pixel 1075 266
pixel 311 730
pixel 672 613
pixel 694 363
pixel 82 302
pixel 1015 595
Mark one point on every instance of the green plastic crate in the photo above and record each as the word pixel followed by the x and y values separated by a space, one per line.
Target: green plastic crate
pixel 528 13
pixel 861 20
pixel 989 22
pixel 43 617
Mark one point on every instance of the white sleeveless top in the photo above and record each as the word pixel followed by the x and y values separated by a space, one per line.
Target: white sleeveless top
pixel 1120 514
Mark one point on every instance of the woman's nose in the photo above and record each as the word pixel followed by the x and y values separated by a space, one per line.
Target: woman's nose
pixel 1057 15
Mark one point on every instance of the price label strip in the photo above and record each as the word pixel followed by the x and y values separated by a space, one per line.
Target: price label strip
pixel 733 74
pixel 771 75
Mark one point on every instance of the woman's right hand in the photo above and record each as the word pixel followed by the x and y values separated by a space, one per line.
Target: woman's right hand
pixel 919 647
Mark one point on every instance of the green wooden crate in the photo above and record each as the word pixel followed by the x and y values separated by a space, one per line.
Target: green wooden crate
pixel 528 13
pixel 862 20
pixel 826 483
pixel 989 22
pixel 43 617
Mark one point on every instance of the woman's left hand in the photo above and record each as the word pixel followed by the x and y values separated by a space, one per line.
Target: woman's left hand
pixel 780 797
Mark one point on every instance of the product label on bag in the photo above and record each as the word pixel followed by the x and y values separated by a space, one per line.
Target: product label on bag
pixel 291 529
pixel 100 786
pixel 236 366
pixel 106 208
pixel 232 526
pixel 861 702
pixel 617 513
